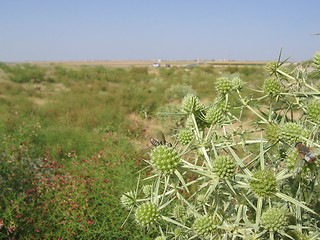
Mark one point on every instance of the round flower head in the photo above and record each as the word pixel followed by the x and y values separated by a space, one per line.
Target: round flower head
pixel 179 211
pixel 272 87
pixel 263 183
pixel 274 219
pixel 223 85
pixel 165 159
pixel 191 104
pixel 179 233
pixel 147 214
pixel 313 111
pixel 224 167
pixel 128 199
pixel 237 83
pixel 272 67
pixel 273 133
pixel 205 226
pixel 185 136
pixel 292 132
pixel 214 115
pixel 291 158
pixel 147 189
pixel 316 62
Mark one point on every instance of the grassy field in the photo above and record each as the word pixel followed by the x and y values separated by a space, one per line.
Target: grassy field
pixel 73 136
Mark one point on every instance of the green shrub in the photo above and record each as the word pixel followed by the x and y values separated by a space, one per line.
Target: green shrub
pixel 249 175
pixel 22 73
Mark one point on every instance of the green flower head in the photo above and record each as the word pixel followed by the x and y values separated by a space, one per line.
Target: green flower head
pixel 205 226
pixel 191 104
pixel 185 136
pixel 215 115
pixel 291 158
pixel 165 159
pixel 147 214
pixel 263 183
pixel 272 67
pixel 272 87
pixel 237 83
pixel 313 111
pixel 224 167
pixel 273 133
pixel 223 85
pixel 128 199
pixel 291 133
pixel 316 62
pixel 147 189
pixel 274 219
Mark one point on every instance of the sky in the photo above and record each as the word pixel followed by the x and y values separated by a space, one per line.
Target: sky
pixel 73 30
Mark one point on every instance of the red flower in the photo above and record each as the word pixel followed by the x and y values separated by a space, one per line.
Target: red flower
pixel 90 222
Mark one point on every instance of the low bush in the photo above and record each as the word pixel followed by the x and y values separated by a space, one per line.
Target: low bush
pixel 246 174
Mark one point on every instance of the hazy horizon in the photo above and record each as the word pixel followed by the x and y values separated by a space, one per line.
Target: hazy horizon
pixel 82 30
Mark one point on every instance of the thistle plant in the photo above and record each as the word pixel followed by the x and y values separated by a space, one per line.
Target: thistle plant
pixel 147 214
pixel 233 173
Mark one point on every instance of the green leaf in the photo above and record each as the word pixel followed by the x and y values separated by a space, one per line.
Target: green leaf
pixel 181 180
pixel 287 198
pixel 174 222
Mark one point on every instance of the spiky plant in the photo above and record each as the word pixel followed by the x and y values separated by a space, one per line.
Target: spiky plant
pixel 239 177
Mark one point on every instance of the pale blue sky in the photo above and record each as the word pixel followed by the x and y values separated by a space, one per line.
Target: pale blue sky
pixel 54 30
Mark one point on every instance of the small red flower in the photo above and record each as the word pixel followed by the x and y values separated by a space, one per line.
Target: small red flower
pixel 90 222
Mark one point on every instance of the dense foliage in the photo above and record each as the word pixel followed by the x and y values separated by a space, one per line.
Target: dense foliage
pixel 70 139
pixel 244 165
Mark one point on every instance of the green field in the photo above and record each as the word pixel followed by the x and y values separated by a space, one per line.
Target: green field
pixel 73 138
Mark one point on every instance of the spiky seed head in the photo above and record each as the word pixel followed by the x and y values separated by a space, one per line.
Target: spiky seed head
pixel 179 211
pixel 165 159
pixel 292 133
pixel 313 111
pixel 214 115
pixel 191 104
pixel 147 189
pixel 205 226
pixel 272 87
pixel 223 85
pixel 147 214
pixel 224 167
pixel 128 199
pixel 291 158
pixel 274 219
pixel 237 83
pixel 273 133
pixel 179 233
pixel 263 183
pixel 316 62
pixel 185 136
pixel 272 67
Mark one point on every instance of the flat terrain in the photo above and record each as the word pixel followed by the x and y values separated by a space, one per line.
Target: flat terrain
pixel 148 63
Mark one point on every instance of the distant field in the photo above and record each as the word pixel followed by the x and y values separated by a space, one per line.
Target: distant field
pixel 147 63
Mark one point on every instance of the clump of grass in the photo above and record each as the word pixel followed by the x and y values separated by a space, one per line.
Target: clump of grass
pixel 232 181
pixel 22 73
